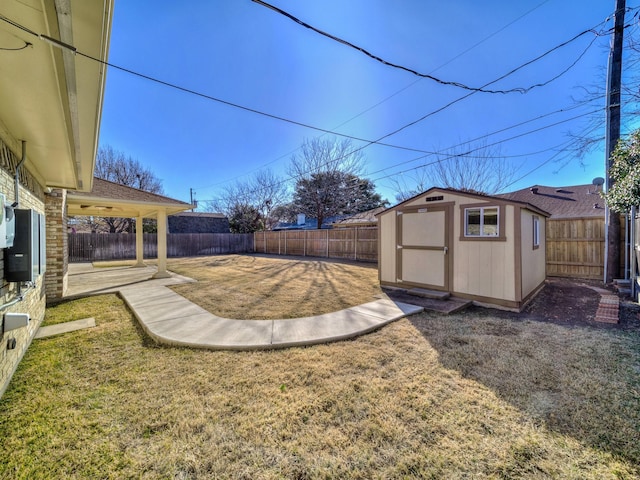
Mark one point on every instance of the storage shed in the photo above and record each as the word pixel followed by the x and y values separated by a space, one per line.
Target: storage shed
pixel 487 249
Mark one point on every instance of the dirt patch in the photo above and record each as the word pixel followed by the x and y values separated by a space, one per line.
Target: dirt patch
pixel 562 301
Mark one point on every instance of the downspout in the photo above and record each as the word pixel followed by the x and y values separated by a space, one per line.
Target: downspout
pixel 16 203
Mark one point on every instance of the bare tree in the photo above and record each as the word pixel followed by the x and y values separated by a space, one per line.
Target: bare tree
pixel 589 136
pixel 409 186
pixel 264 193
pixel 117 167
pixel 327 175
pixel 472 167
pixel 476 168
pixel 327 194
pixel 326 155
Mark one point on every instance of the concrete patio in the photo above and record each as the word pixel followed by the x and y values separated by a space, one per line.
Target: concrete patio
pixel 171 319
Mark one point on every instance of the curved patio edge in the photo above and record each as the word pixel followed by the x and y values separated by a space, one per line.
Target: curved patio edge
pixel 170 319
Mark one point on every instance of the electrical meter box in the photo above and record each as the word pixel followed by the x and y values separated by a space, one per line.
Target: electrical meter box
pixel 22 261
pixel 7 224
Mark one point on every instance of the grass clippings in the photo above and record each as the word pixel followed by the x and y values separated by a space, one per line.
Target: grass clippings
pixel 246 287
pixel 466 396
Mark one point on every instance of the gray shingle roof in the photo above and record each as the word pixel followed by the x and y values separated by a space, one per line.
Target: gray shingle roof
pixel 362 218
pixel 115 191
pixel 562 202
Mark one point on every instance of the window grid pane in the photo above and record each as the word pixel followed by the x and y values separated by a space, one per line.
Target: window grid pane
pixel 481 222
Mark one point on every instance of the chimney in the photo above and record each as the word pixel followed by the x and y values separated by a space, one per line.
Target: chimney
pixel 302 219
pixel 534 190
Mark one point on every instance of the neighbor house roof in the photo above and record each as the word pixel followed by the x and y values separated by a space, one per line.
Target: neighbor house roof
pixel 198 222
pixel 109 199
pixel 309 224
pixel 562 202
pixel 367 218
pixel 201 214
pixel 51 98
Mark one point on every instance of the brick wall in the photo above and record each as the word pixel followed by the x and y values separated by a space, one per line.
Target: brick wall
pixel 31 195
pixel 55 206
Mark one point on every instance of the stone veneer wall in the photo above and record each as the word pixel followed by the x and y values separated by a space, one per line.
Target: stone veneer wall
pixel 31 195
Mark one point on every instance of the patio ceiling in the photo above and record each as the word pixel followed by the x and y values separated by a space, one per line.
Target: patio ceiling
pixel 50 97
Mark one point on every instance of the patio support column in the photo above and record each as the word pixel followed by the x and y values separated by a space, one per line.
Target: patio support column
pixel 139 242
pixel 162 245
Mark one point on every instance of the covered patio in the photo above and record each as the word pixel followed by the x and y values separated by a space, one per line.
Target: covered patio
pixel 108 199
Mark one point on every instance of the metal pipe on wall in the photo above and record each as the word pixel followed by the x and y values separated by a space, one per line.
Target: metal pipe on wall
pixel 16 179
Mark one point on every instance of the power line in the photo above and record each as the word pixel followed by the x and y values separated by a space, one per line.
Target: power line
pixel 431 152
pixel 415 72
pixel 287 120
pixel 72 49
pixel 389 97
pixel 490 144
pixel 246 196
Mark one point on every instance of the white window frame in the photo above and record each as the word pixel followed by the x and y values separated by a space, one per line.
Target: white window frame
pixel 536 232
pixel 482 232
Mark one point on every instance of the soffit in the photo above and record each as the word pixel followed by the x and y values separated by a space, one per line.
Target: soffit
pixel 50 97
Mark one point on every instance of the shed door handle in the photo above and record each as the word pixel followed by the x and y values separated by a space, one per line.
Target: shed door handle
pixel 446 250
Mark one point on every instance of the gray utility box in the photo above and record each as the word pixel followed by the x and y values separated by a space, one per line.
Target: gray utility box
pixel 23 262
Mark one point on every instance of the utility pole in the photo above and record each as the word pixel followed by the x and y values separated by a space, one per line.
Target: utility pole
pixel 614 81
pixel 192 194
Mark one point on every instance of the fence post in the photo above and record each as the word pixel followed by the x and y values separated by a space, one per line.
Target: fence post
pixel 304 243
pixel 279 238
pixel 355 244
pixel 285 242
pixel 327 240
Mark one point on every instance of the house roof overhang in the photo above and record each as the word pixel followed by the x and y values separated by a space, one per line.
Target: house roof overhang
pixel 50 97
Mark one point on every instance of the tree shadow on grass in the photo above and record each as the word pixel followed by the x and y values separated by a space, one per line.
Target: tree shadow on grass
pixel 563 370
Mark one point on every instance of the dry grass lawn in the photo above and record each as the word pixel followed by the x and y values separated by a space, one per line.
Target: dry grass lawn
pixel 246 287
pixel 472 396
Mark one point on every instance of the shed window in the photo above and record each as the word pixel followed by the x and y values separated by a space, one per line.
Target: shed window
pixel 481 222
pixel 536 232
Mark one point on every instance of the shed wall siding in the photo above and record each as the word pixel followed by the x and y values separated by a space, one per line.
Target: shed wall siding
pixel 485 268
pixel 387 260
pixel 533 260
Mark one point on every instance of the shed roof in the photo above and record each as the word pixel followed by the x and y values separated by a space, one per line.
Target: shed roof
pixel 575 201
pixel 109 199
pixel 479 196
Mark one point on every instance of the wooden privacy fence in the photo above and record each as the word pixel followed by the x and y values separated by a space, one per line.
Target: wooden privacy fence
pixel 575 247
pixel 88 247
pixel 358 243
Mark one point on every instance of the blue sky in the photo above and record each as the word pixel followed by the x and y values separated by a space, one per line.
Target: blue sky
pixel 241 52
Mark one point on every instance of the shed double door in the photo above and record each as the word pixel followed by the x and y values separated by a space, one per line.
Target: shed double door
pixel 424 255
